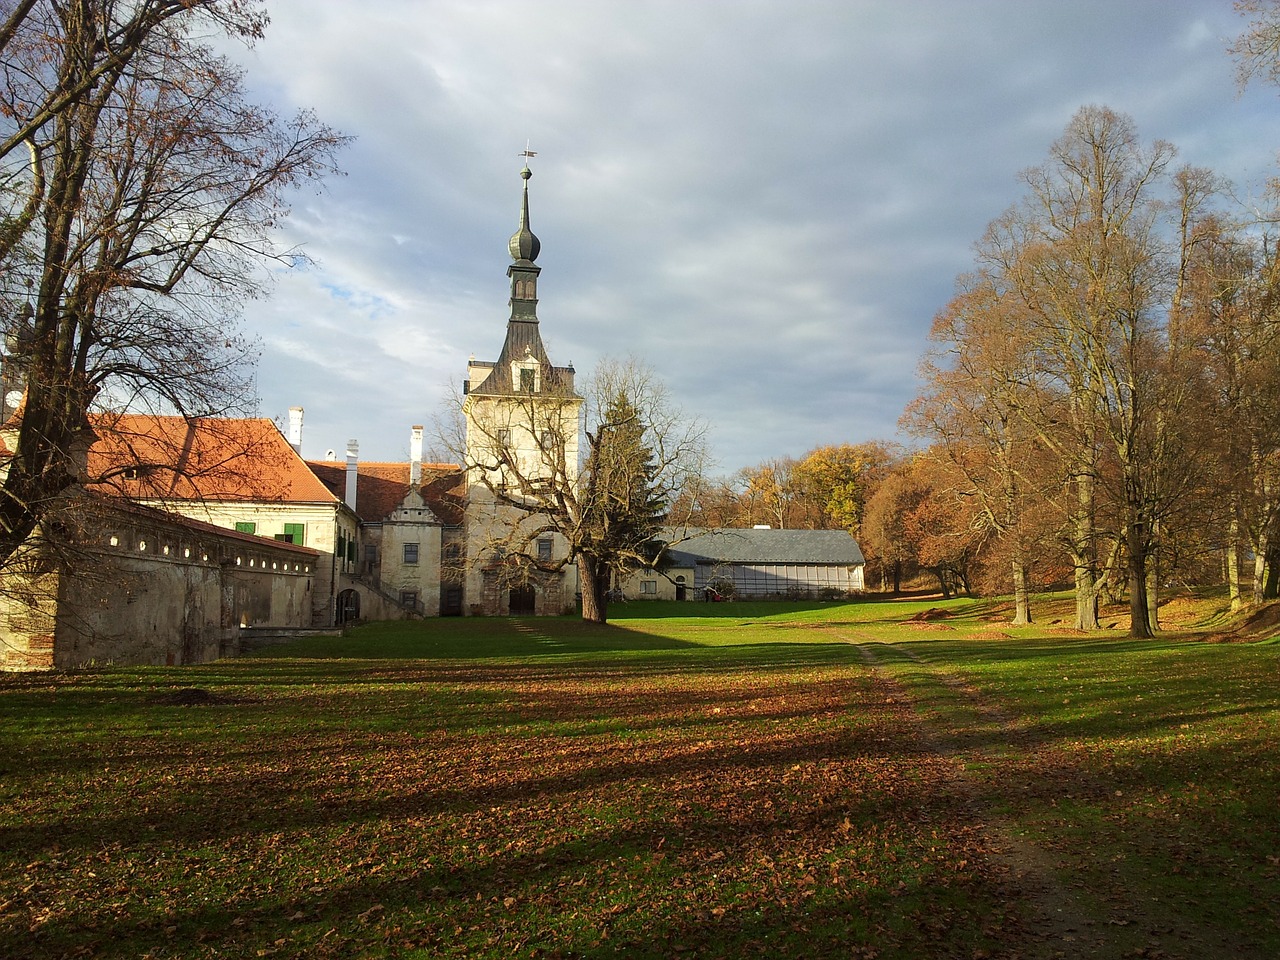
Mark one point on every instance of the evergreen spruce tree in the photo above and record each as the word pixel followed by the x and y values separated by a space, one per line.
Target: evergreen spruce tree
pixel 623 507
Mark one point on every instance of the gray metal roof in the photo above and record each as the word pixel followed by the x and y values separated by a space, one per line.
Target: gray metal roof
pixel 726 545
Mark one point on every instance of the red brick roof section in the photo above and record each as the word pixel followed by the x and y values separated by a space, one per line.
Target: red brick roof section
pixel 145 457
pixel 382 487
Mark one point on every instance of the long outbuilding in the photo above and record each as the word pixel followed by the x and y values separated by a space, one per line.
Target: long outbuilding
pixel 754 563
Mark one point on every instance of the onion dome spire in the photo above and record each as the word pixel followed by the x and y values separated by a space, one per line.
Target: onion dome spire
pixel 524 245
pixel 523 365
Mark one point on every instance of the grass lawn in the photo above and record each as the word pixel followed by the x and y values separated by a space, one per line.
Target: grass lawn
pixel 869 780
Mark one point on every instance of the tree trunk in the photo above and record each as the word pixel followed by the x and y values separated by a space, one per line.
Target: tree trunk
pixel 1232 561
pixel 1271 586
pixel 1139 620
pixel 595 601
pixel 1082 556
pixel 941 574
pixel 1153 578
pixel 1153 596
pixel 1086 596
pixel 1021 596
pixel 1260 570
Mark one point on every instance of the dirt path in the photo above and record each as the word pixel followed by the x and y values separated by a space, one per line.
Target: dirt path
pixel 1059 923
pixel 1064 919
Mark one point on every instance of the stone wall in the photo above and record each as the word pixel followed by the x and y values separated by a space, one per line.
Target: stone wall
pixel 144 587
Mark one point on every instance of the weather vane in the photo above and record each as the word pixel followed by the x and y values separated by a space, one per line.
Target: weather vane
pixel 528 154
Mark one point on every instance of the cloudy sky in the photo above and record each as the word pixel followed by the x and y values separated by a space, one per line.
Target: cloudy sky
pixel 765 201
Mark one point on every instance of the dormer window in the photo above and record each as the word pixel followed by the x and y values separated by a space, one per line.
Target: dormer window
pixel 524 374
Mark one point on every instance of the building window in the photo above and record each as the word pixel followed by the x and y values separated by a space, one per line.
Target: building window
pixel 504 437
pixel 294 533
pixel 246 526
pixel 528 380
pixel 649 588
pixel 370 556
pixel 544 548
pixel 410 553
pixel 409 598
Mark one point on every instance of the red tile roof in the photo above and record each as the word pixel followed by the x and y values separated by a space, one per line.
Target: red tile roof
pixel 382 487
pixel 147 457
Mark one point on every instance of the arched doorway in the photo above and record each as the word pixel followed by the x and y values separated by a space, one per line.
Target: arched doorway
pixel 348 607
pixel 680 588
pixel 520 601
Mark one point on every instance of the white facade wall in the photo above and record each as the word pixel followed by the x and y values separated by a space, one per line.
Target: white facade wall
pixel 541 434
pixel 412 571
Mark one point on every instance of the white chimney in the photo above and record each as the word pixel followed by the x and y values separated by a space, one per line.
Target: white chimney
pixel 295 429
pixel 415 456
pixel 353 458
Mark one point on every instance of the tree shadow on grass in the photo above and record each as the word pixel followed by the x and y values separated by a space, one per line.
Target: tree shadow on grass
pixel 714 861
pixel 473 638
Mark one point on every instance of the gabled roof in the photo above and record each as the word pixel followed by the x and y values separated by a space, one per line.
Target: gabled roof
pixel 727 545
pixel 382 487
pixel 146 457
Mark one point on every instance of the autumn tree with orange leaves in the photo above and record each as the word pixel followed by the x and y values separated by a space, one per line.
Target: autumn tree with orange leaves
pixel 974 382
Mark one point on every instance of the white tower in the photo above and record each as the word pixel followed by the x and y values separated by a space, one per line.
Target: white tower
pixel 523 419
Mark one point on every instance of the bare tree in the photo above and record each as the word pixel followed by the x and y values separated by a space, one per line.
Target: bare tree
pixel 1257 49
pixel 527 486
pixel 1231 352
pixel 1082 254
pixel 142 195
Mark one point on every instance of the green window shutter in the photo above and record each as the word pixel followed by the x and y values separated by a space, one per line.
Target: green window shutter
pixel 244 526
pixel 296 533
pixel 351 551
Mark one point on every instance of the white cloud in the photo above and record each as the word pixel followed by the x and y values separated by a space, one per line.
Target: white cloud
pixel 766 201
